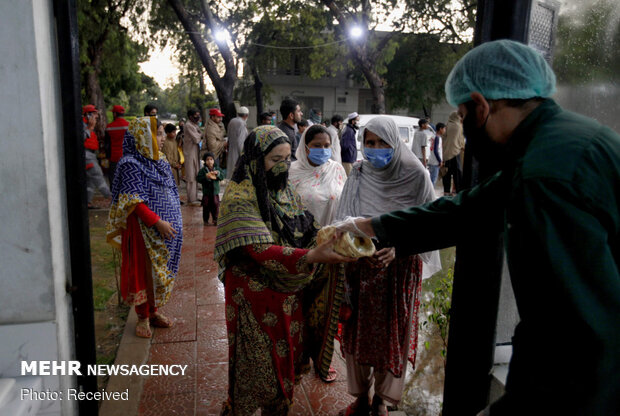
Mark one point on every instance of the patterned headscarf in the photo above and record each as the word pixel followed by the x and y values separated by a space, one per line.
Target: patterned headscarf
pixel 253 214
pixel 144 175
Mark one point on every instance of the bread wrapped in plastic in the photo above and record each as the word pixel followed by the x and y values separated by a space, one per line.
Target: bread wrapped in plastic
pixel 348 244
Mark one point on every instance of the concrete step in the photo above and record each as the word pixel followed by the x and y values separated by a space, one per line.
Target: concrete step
pixel 13 404
pixel 6 385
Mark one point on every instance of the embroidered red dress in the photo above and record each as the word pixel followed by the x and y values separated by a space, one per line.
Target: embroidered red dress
pixel 385 303
pixel 134 287
pixel 259 316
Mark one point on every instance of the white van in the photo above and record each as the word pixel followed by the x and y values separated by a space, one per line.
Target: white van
pixel 406 128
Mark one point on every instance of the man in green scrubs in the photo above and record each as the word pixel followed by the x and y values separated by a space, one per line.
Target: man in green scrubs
pixel 557 197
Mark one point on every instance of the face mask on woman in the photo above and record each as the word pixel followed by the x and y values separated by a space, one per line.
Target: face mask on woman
pixel 318 156
pixel 379 157
pixel 277 176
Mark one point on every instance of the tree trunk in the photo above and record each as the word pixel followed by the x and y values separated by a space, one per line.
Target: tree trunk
pixel 223 84
pixel 378 98
pixel 374 81
pixel 95 97
pixel 258 89
pixel 225 97
pixel 362 56
pixel 203 93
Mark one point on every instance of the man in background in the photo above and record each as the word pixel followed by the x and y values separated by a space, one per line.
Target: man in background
pixel 214 137
pixel 237 133
pixel 265 119
pixel 291 114
pixel 334 132
pixel 114 136
pixel 453 146
pixel 94 174
pixel 150 110
pixel 435 160
pixel 191 152
pixel 315 117
pixel 421 141
pixel 348 143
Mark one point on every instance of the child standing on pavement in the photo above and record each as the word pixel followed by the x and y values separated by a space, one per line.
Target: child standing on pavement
pixel 210 176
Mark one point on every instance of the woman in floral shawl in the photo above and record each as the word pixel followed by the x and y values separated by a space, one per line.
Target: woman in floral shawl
pixel 317 178
pixel 145 224
pixel 281 300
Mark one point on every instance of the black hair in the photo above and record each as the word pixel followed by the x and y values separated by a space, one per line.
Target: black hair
pixel 148 108
pixel 314 130
pixel 192 111
pixel 169 128
pixel 287 107
pixel 439 126
pixel 337 118
pixel 422 121
pixel 208 154
pixel 302 123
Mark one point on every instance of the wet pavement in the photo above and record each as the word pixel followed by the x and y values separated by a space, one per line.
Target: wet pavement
pixel 198 339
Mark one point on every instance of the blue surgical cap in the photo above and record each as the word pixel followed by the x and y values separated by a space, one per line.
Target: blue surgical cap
pixel 501 69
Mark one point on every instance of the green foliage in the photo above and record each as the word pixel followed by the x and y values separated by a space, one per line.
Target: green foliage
pixel 107 49
pixel 451 20
pixel 585 50
pixel 416 76
pixel 184 95
pixel 438 308
pixel 311 49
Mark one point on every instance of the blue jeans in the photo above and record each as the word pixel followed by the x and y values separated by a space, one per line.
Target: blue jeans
pixel 434 171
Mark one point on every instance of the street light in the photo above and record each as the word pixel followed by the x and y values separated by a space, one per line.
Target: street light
pixel 220 35
pixel 356 32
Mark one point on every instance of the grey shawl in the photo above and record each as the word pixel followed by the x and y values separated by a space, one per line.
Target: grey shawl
pixel 237 133
pixel 403 183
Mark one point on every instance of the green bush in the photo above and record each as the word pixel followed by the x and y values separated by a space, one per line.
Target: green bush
pixel 438 308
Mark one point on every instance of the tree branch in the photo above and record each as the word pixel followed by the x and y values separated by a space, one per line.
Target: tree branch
pixel 197 41
pixel 229 60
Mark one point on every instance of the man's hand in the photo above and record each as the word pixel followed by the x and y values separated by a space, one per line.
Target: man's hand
pixel 165 229
pixel 356 225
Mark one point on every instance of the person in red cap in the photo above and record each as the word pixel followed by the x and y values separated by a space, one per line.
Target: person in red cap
pixel 214 139
pixel 94 175
pixel 114 135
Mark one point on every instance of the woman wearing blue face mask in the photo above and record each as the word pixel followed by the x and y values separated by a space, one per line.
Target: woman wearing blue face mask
pixel 383 291
pixel 317 178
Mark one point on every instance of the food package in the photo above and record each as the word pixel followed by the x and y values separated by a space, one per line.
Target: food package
pixel 348 244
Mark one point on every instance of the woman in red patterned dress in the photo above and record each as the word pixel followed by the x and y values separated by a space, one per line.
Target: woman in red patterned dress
pixel 383 291
pixel 282 300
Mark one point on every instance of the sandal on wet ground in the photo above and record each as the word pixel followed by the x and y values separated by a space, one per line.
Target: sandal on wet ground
pixel 161 321
pixel 143 329
pixel 332 375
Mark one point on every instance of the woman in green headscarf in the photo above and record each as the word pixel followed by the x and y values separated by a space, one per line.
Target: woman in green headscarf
pixel 282 300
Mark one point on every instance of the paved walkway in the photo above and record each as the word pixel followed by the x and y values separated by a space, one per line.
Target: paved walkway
pixel 198 339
